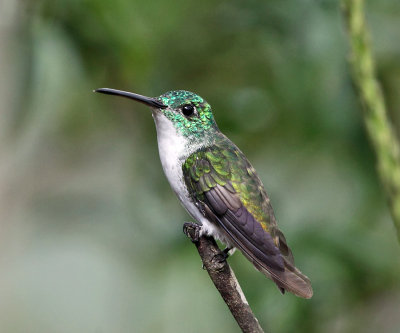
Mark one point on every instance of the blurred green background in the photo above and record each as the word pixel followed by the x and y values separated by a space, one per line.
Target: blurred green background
pixel 91 234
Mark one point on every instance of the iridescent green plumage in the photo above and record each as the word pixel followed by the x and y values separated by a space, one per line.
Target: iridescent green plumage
pixel 218 186
pixel 226 187
pixel 224 163
pixel 194 126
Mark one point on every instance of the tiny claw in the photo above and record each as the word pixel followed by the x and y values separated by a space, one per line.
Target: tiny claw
pixel 226 252
pixel 192 231
pixel 221 257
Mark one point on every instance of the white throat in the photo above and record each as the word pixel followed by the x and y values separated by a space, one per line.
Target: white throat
pixel 174 149
pixel 173 146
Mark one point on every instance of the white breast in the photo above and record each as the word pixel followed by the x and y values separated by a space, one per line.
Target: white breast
pixel 174 149
pixel 171 147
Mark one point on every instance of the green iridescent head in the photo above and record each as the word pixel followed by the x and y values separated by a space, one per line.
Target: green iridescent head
pixel 188 112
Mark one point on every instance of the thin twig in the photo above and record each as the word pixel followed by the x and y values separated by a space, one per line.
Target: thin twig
pixel 223 278
pixel 379 128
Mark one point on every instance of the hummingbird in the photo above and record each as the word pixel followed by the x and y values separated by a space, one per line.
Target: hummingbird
pixel 218 186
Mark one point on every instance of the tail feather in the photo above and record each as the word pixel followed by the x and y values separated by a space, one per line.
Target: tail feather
pixel 291 279
pixel 294 282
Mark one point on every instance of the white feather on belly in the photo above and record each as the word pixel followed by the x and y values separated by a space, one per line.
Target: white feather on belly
pixel 174 149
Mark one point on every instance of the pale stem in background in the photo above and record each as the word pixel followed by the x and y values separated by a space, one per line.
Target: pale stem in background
pixel 379 128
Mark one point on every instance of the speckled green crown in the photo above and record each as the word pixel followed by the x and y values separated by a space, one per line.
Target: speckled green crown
pixel 195 125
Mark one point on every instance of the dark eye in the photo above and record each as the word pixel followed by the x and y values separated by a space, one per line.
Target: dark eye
pixel 188 110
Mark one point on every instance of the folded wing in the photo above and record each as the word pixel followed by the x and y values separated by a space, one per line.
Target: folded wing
pixel 231 195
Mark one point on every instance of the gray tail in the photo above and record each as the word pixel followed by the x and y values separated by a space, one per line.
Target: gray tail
pixel 291 279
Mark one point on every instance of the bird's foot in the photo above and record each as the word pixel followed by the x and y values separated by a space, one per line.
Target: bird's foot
pixel 222 256
pixel 228 251
pixel 192 231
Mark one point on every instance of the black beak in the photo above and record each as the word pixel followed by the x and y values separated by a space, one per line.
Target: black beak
pixel 150 101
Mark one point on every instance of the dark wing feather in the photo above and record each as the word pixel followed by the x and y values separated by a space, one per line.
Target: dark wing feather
pixel 226 186
pixel 245 231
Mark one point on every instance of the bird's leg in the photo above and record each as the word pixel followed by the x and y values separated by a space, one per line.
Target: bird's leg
pixel 223 255
pixel 228 251
pixel 192 231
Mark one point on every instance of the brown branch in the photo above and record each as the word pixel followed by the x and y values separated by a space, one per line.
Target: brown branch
pixel 223 278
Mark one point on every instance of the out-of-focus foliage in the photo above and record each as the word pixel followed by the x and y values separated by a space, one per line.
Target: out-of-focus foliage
pixel 91 235
pixel 378 125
